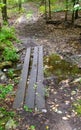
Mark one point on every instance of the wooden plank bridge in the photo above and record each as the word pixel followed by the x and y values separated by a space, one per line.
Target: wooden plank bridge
pixel 31 89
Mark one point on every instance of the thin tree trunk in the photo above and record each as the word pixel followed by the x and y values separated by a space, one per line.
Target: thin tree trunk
pixel 45 9
pixel 76 12
pixel 20 4
pixel 4 11
pixel 73 13
pixel 73 17
pixel 66 10
pixel 49 9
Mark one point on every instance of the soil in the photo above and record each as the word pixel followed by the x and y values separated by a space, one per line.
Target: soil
pixel 62 38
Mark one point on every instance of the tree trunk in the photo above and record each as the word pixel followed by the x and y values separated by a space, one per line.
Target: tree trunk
pixel 76 12
pixel 49 10
pixel 46 10
pixel 4 11
pixel 0 26
pixel 73 17
pixel 73 13
pixel 20 4
pixel 66 10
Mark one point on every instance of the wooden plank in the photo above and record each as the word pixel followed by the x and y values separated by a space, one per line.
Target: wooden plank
pixel 40 95
pixel 30 94
pixel 22 84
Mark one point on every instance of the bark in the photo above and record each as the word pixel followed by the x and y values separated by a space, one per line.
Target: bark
pixel 49 10
pixel 66 10
pixel 20 4
pixel 76 12
pixel 73 13
pixel 4 11
pixel 45 10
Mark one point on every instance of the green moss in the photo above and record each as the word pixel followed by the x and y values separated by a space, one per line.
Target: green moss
pixel 53 64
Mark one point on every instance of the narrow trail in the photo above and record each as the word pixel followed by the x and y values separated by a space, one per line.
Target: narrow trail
pixel 25 23
pixel 32 30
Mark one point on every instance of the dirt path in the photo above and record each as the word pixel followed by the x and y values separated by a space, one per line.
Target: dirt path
pixel 32 30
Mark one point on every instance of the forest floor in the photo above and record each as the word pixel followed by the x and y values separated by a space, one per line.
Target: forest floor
pixel 61 38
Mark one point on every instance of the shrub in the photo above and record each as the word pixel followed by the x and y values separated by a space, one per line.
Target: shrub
pixel 10 54
pixel 4 90
pixel 7 33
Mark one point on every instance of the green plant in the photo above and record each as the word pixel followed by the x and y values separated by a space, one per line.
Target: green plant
pixel 32 127
pixel 11 73
pixel 47 89
pixel 7 121
pixel 4 90
pixel 77 106
pixel 7 113
pixel 16 80
pixel 1 5
pixel 27 109
pixel 35 86
pixel 10 54
pixel 7 33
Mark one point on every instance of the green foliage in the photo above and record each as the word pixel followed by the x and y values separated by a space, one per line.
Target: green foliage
pixel 11 73
pixel 29 14
pixel 62 6
pixel 4 90
pixel 16 80
pixel 7 37
pixel 27 109
pixel 14 2
pixel 7 33
pixel 1 5
pixel 7 113
pixel 5 117
pixel 42 9
pixel 47 89
pixel 32 127
pixel 10 124
pixel 77 106
pixel 10 54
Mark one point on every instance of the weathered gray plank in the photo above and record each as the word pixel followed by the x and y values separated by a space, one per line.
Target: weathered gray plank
pixel 22 84
pixel 40 96
pixel 30 94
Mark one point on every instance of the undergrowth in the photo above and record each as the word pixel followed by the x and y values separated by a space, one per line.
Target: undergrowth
pixel 8 52
pixel 77 106
pixel 7 41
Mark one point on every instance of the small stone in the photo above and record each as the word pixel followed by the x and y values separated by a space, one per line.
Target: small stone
pixel 68 116
pixel 3 78
pixel 75 129
pixel 55 92
pixel 71 98
pixel 59 112
pixel 5 70
pixel 55 100
pixel 44 110
pixel 73 92
pixel 1 115
pixel 64 118
pixel 55 109
pixel 67 102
